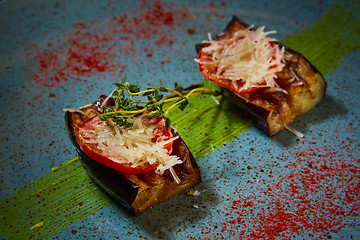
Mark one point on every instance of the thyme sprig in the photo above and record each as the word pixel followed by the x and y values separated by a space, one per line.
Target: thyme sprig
pixel 158 102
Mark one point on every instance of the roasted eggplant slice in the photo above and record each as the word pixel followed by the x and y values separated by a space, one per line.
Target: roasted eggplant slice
pixel 136 192
pixel 297 87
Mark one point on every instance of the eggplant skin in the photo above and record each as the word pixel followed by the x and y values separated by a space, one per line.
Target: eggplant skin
pixel 136 192
pixel 273 111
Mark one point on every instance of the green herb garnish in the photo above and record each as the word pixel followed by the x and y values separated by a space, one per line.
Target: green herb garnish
pixel 158 102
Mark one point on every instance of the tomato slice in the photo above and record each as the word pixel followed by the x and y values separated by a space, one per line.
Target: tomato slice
pixel 222 82
pixel 161 133
pixel 92 151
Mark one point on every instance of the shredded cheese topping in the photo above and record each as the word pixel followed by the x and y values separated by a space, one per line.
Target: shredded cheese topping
pixel 132 146
pixel 247 59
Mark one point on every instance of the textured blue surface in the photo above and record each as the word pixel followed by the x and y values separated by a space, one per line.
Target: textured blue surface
pixel 34 139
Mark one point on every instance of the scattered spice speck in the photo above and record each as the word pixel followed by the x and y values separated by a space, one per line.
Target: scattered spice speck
pixel 90 50
pixel 316 195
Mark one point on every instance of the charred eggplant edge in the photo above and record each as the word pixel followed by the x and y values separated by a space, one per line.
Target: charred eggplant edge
pixel 251 110
pixel 112 182
pixel 123 190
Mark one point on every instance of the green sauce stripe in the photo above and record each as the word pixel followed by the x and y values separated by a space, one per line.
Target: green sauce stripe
pixel 58 199
pixel 67 195
pixel 325 42
pixel 208 123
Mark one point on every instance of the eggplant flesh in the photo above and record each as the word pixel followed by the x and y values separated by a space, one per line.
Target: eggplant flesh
pixel 272 111
pixel 135 192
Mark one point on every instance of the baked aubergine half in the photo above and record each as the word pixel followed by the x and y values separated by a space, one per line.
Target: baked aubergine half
pixel 272 83
pixel 141 182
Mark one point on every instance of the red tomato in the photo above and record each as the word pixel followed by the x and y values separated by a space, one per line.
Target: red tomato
pixel 222 82
pixel 92 151
pixel 162 134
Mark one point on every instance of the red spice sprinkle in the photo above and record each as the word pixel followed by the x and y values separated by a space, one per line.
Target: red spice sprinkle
pixel 316 196
pixel 91 51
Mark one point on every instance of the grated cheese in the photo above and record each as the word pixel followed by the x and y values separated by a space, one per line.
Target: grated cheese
pixel 196 192
pixel 107 98
pixel 295 132
pixel 247 59
pixel 133 146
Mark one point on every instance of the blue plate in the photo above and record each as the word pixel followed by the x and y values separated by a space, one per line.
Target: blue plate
pixel 64 54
